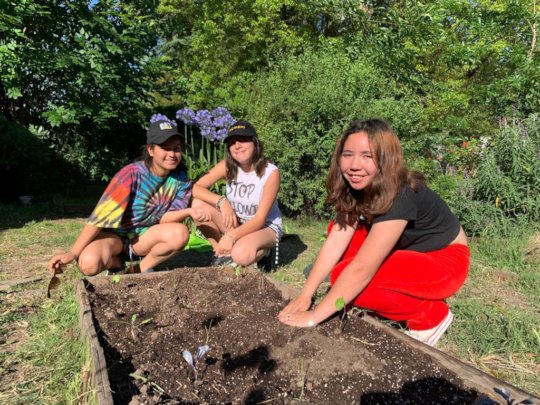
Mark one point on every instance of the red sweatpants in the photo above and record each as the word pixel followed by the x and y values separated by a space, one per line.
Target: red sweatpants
pixel 410 286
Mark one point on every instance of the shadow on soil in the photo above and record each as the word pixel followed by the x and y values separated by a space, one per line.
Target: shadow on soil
pixel 424 391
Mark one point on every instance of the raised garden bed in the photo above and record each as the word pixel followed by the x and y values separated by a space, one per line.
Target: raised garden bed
pixel 139 326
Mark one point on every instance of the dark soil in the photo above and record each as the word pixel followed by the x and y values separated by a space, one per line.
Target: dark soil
pixel 145 323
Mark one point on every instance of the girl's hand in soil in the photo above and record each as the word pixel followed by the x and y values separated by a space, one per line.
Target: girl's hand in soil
pixel 303 319
pixel 299 304
pixel 60 262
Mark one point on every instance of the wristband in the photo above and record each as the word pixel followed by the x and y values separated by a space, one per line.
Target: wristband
pixel 220 201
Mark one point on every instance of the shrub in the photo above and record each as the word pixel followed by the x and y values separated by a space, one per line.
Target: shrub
pixel 508 176
pixel 301 106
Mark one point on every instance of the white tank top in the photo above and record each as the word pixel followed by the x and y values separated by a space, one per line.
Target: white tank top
pixel 244 195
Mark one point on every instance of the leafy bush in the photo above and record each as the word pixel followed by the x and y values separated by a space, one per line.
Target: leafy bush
pixel 503 189
pixel 301 106
pixel 508 176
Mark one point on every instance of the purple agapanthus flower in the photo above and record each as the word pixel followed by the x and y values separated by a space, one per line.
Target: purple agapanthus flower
pixel 204 119
pixel 160 117
pixel 221 134
pixel 187 115
pixel 213 125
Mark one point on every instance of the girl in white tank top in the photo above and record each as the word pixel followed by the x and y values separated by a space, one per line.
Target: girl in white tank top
pixel 246 223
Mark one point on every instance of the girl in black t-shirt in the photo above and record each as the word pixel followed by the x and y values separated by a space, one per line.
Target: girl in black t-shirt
pixel 395 247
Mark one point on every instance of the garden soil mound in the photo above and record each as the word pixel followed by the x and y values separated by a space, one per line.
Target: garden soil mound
pixel 145 324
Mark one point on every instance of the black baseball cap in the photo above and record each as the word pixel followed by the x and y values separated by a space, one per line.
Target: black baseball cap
pixel 160 131
pixel 241 128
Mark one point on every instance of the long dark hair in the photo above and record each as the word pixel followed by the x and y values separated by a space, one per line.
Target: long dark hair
pixel 378 197
pixel 258 159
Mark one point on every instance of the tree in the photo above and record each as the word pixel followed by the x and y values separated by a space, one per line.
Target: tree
pixel 79 70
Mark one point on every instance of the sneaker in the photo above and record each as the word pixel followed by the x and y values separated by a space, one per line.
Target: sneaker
pixel 431 336
pixel 220 261
pixel 266 263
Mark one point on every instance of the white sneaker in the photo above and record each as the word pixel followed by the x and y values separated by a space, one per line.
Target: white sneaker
pixel 431 336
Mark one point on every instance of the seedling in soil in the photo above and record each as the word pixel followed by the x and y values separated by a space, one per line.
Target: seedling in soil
pixel 194 361
pixel 302 382
pixel 134 326
pixel 145 380
pixel 207 329
pixel 115 279
pixel 340 306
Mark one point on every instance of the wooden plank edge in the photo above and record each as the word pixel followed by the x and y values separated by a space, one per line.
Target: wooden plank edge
pixel 99 377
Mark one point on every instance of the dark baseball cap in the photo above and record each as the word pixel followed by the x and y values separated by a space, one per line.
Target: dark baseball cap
pixel 241 128
pixel 160 131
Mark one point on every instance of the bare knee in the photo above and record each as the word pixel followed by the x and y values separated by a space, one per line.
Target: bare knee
pixel 90 264
pixel 178 237
pixel 243 255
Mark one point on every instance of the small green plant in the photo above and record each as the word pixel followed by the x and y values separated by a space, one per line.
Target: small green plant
pixel 115 279
pixel 340 306
pixel 302 381
pixel 135 328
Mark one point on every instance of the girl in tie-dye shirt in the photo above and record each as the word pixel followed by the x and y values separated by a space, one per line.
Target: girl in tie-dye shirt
pixel 140 212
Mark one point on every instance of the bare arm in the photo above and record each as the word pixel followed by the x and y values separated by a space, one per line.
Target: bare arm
pixel 87 235
pixel 201 191
pixel 380 241
pixel 333 248
pixel 180 215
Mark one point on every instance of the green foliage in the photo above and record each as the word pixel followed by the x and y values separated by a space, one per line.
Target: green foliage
pixel 300 108
pixel 339 304
pixel 504 329
pixel 81 71
pixel 53 344
pixel 508 175
pixel 211 42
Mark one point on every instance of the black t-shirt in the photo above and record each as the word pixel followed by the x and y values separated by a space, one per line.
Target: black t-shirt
pixel 431 225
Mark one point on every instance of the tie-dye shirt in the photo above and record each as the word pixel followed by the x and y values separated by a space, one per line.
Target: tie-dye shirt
pixel 136 199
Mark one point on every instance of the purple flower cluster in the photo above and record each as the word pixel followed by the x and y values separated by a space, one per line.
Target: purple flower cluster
pixel 161 117
pixel 213 124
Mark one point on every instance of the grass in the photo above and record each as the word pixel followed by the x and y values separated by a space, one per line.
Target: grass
pixel 43 360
